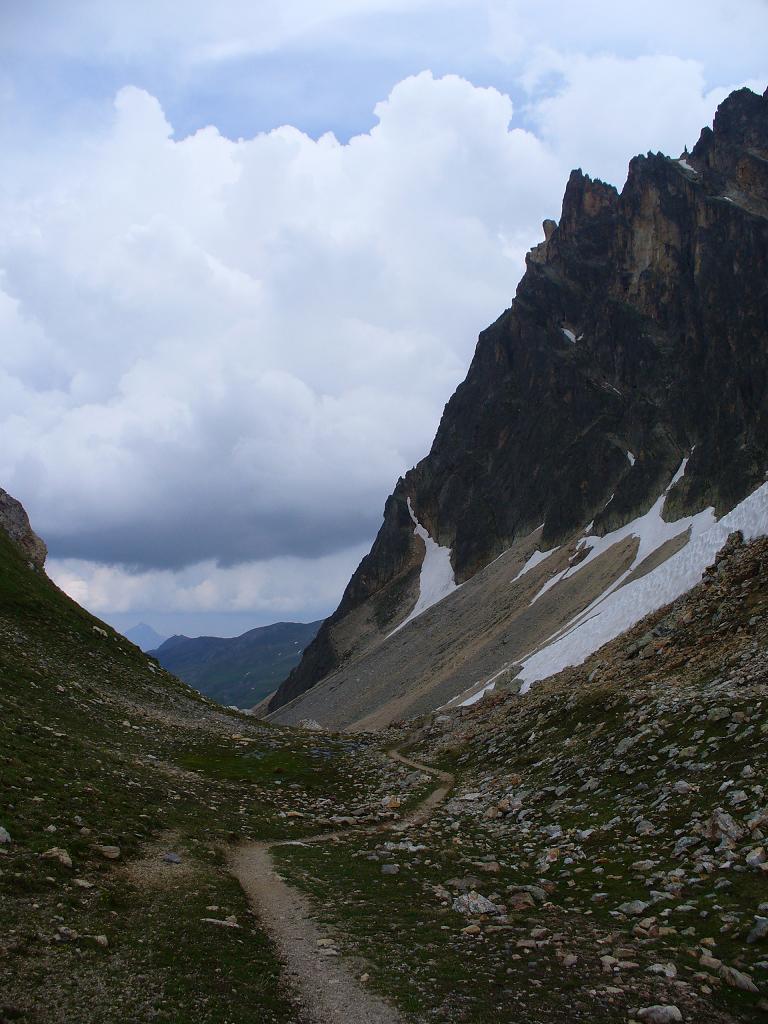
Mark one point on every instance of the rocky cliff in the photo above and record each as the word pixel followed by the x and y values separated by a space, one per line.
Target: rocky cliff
pixel 15 522
pixel 638 337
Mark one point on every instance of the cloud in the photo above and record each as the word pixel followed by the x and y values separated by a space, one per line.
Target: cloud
pixel 219 354
pixel 281 588
pixel 647 103
pixel 506 29
pixel 230 350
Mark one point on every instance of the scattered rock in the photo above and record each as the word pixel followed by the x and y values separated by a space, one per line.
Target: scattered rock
pixel 108 852
pixel 660 1014
pixel 472 904
pixel 635 908
pixel 737 979
pixel 57 853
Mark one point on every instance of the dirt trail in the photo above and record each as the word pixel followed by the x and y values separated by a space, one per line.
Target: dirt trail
pixel 325 988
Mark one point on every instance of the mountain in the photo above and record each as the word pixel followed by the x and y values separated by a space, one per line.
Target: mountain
pixel 240 670
pixel 144 636
pixel 609 419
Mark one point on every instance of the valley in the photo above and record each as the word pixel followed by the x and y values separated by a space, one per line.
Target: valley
pixel 601 848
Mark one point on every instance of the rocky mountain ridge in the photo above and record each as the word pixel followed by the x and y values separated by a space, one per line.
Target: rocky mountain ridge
pixel 637 338
pixel 15 522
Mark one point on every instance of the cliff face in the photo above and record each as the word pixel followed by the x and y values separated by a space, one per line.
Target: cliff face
pixel 638 336
pixel 15 522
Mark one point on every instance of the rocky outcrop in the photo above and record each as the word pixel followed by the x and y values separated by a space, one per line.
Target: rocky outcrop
pixel 15 522
pixel 637 337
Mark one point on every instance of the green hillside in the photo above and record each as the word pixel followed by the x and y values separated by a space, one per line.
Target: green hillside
pixel 104 753
pixel 238 670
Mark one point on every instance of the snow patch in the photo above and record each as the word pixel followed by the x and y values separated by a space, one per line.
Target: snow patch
pixel 632 459
pixel 618 610
pixel 569 334
pixel 533 560
pixel 651 530
pixel 436 580
pixel 687 166
pixel 619 607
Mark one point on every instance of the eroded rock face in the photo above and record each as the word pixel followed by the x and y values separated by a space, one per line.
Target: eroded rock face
pixel 638 337
pixel 15 521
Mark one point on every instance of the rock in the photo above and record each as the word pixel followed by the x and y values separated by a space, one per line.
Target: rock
pixel 684 843
pixel 634 909
pixel 718 714
pixel 57 853
pixel 626 745
pixel 721 825
pixel 521 901
pixel 737 979
pixel 172 858
pixel 100 940
pixel 15 522
pixel 472 903
pixel 660 1014
pixel 5 836
pixel 108 852
pixel 310 724
pixel 756 857
pixel 471 929
pixel 710 963
pixel 228 922
pixel 759 930
pixel 390 869
pixel 668 970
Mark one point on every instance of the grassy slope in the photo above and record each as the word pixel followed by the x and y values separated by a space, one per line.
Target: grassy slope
pixel 96 748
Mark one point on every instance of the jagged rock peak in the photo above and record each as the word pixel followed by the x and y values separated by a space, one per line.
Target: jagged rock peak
pixel 15 521
pixel 637 339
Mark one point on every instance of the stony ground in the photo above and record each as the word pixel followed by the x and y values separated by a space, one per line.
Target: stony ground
pixel 601 857
pixel 604 849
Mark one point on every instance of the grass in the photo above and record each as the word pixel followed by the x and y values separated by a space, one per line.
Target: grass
pixel 96 747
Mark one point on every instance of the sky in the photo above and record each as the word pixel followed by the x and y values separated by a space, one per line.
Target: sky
pixel 246 253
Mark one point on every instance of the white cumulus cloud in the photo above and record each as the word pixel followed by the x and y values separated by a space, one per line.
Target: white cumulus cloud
pixel 218 355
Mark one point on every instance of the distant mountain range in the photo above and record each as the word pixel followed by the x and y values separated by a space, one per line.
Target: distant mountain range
pixel 144 637
pixel 240 670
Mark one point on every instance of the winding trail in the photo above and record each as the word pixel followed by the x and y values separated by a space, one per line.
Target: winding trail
pixel 324 988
